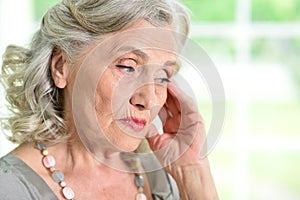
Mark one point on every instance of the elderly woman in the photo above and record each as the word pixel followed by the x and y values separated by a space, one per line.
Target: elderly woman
pixel 83 99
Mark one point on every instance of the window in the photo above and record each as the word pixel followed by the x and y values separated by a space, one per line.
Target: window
pixel 255 46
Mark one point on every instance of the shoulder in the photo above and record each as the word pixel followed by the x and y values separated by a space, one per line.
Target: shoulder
pixel 7 169
pixel 11 185
pixel 9 166
pixel 20 181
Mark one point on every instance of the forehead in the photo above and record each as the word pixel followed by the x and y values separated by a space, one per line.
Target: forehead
pixel 147 53
pixel 146 36
pixel 145 41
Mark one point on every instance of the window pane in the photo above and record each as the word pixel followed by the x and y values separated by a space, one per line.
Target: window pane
pixel 223 168
pixel 40 7
pixel 276 10
pixel 274 175
pixel 211 10
pixel 220 50
pixel 282 52
pixel 274 119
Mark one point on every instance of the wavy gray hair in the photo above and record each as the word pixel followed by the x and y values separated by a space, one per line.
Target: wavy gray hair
pixel 36 104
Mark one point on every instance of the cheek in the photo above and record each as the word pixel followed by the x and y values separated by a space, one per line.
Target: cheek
pixel 161 94
pixel 161 97
pixel 104 90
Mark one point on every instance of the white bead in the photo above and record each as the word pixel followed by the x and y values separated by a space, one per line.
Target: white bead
pixel 140 196
pixel 68 193
pixel 63 184
pixel 52 169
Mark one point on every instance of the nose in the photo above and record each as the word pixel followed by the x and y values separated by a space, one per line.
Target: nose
pixel 144 98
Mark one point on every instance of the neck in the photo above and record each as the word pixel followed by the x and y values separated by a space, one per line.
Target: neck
pixel 70 156
pixel 73 156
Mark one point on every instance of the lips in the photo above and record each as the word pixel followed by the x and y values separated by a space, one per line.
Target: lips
pixel 137 124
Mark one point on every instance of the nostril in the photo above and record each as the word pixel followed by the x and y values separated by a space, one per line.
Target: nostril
pixel 140 106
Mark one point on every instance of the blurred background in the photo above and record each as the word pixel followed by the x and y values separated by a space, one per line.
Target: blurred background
pixel 255 45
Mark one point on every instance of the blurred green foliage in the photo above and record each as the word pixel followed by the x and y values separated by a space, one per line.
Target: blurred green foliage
pixel 281 51
pixel 276 10
pixel 219 48
pixel 211 10
pixel 41 7
pixel 220 10
pixel 276 50
pixel 262 10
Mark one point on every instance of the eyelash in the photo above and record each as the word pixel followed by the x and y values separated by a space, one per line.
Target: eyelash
pixel 164 80
pixel 131 69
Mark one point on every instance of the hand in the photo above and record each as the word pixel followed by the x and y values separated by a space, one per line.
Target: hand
pixel 184 132
pixel 179 148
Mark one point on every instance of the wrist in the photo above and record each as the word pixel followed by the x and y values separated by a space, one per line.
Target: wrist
pixel 194 180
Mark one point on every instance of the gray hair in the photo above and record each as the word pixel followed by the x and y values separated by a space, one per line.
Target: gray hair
pixel 36 104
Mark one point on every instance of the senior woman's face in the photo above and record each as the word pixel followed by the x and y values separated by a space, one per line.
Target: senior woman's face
pixel 132 75
pixel 130 93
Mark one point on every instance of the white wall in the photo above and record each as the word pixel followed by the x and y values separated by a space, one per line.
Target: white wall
pixel 16 27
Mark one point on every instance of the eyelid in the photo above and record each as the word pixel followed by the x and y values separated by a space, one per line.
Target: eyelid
pixel 166 80
pixel 163 81
pixel 125 68
pixel 129 56
pixel 121 61
pixel 170 72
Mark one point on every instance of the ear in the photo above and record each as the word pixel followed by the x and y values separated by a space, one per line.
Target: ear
pixel 59 68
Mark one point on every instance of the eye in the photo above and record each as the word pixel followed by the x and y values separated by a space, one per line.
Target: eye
pixel 163 80
pixel 161 77
pixel 126 65
pixel 125 68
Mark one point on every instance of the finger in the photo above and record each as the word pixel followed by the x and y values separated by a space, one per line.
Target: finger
pixel 186 103
pixel 157 142
pixel 190 117
pixel 181 100
pixel 170 121
pixel 152 131
pixel 172 102
pixel 164 114
pixel 172 98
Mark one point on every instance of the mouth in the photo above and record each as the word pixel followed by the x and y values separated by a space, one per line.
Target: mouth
pixel 137 124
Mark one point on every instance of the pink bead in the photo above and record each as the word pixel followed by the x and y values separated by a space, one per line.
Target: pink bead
pixel 68 193
pixel 49 161
pixel 140 196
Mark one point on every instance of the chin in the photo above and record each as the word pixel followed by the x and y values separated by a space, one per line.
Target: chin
pixel 129 145
pixel 125 139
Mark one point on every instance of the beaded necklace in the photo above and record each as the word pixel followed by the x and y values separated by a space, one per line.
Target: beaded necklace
pixel 59 177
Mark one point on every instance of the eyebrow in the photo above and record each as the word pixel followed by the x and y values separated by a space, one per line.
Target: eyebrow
pixel 145 57
pixel 136 51
pixel 171 63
